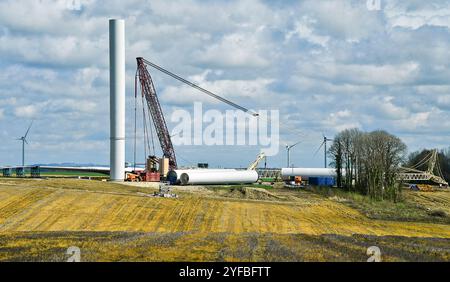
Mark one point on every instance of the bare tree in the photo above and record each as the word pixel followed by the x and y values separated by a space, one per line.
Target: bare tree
pixel 370 162
pixel 335 152
pixel 344 152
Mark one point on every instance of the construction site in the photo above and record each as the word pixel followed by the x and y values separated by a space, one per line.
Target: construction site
pixel 159 211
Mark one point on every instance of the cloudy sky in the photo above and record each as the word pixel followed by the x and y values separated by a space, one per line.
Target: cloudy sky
pixel 325 65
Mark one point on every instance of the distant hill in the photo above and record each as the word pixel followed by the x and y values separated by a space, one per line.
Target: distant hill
pixel 71 164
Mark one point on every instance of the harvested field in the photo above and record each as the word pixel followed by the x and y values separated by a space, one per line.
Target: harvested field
pixel 432 201
pixel 249 193
pixel 40 209
pixel 181 246
pixel 427 207
pixel 41 217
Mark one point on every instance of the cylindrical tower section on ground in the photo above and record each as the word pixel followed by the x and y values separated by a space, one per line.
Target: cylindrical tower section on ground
pixel 218 177
pixel 117 98
pixel 308 172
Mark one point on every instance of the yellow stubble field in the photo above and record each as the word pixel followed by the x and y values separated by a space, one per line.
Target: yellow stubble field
pixel 42 208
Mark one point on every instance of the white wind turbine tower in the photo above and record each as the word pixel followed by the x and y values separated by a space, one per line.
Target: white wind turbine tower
pixel 324 144
pixel 288 149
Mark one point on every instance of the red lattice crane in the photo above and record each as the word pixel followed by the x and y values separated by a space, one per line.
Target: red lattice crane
pixel 148 91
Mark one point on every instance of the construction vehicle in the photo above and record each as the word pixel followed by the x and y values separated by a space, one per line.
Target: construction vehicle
pixel 144 81
pixel 254 166
pixel 132 177
pixel 164 191
pixel 255 163
pixel 294 182
pixel 433 174
pixel 151 173
pixel 421 187
pixel 154 108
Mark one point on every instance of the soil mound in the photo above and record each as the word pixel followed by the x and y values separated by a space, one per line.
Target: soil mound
pixel 251 193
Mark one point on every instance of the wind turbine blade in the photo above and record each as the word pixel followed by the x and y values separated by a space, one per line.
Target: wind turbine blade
pixel 296 144
pixel 25 141
pixel 28 129
pixel 176 134
pixel 318 149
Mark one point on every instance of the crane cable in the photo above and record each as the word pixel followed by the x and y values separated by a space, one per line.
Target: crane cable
pixel 146 129
pixel 189 162
pixel 144 125
pixel 439 170
pixel 152 138
pixel 422 162
pixel 213 94
pixel 135 121
pixel 161 69
pixel 177 77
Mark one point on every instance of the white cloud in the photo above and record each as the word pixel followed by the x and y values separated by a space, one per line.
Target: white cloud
pixel 304 30
pixel 230 89
pixel 236 50
pixel 444 101
pixel 408 14
pixel 64 51
pixel 40 17
pixel 347 20
pixel 28 111
pixel 386 108
pixel 363 74
pixel 341 120
pixel 8 101
pixel 413 122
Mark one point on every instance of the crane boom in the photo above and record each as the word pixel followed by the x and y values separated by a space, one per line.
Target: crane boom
pixel 255 163
pixel 177 77
pixel 149 92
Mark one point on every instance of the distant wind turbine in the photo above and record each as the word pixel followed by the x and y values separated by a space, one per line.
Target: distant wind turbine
pixel 24 140
pixel 324 143
pixel 288 149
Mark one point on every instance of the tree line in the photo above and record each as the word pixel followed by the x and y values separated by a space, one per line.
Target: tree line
pixel 368 163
